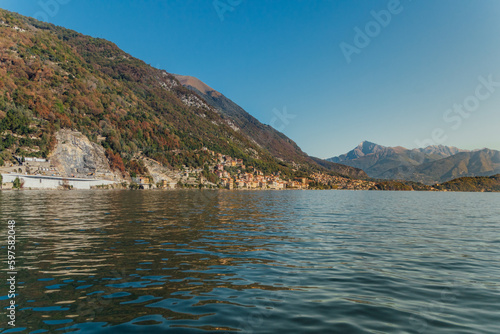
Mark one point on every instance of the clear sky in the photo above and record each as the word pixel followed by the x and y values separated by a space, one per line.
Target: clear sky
pixel 385 71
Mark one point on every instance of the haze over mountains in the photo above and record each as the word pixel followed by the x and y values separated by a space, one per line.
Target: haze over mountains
pixel 429 165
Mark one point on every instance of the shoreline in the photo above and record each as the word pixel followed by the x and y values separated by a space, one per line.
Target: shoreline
pixel 16 181
pixel 233 190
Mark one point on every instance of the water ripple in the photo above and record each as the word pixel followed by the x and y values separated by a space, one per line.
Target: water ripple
pixel 259 262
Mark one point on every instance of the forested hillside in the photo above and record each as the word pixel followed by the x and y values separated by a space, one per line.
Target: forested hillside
pixel 479 183
pixel 53 78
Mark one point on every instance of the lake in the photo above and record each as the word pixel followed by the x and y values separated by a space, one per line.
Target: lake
pixel 254 262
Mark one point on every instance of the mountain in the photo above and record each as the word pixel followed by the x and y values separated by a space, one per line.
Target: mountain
pixel 341 169
pixel 433 164
pixel 265 136
pixel 364 148
pixel 385 162
pixel 484 162
pixel 441 150
pixel 197 85
pixel 52 78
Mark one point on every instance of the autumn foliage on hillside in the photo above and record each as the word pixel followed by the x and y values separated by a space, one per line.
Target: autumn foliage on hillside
pixel 478 183
pixel 53 78
pixel 115 161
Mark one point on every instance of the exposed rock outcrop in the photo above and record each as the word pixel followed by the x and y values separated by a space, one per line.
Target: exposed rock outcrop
pixel 75 155
pixel 161 173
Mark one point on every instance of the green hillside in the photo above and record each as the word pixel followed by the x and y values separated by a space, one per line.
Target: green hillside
pixel 479 183
pixel 53 78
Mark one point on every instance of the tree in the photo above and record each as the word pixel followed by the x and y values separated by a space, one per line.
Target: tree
pixel 115 161
pixel 1 181
pixel 17 183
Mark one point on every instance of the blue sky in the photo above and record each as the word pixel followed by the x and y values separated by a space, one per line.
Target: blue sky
pixel 399 86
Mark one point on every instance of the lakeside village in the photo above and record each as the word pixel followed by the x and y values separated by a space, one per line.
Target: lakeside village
pixel 227 173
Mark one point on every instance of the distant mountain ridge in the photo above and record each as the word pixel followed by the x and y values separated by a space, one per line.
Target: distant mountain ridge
pixel 444 151
pixel 483 162
pixel 432 164
pixel 364 148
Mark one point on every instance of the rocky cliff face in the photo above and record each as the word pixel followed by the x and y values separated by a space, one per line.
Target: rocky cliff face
pixel 75 155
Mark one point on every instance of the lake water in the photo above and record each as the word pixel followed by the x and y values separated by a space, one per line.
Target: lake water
pixel 254 262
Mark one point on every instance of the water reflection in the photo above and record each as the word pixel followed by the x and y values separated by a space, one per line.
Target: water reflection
pixel 146 257
pixel 257 262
